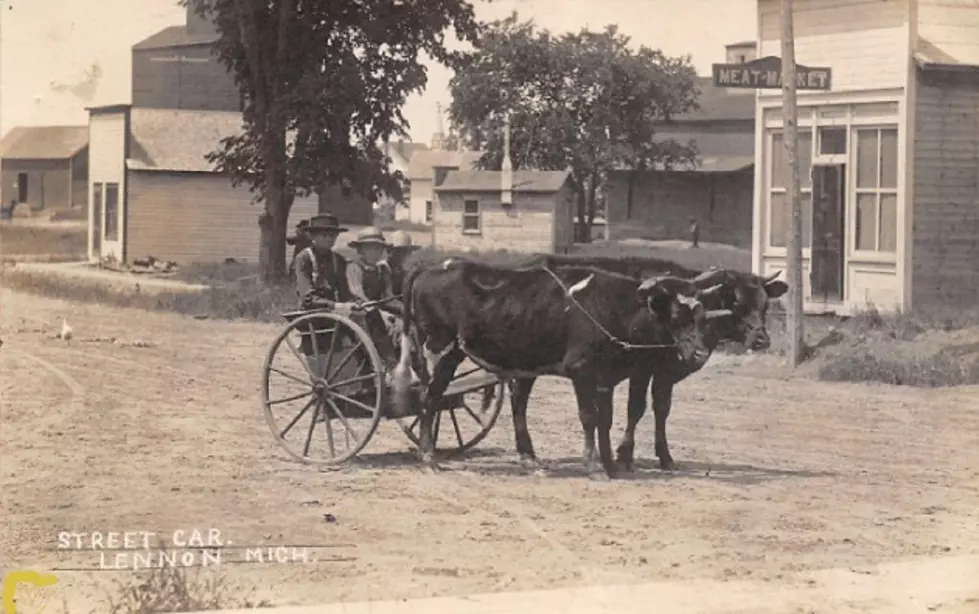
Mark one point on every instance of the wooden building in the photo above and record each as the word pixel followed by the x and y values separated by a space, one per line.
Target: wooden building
pixel 891 153
pixel 717 191
pixel 154 193
pixel 470 213
pixel 44 167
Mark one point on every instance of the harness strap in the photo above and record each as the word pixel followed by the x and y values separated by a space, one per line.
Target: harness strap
pixel 623 344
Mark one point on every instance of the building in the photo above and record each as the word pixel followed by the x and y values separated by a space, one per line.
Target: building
pixel 429 167
pixel 45 167
pixel 717 192
pixel 739 53
pixel 400 153
pixel 891 153
pixel 155 194
pixel 470 213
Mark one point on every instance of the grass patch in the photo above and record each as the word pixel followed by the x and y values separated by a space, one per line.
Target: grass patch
pixel 391 225
pixel 178 589
pixel 929 371
pixel 245 300
pixel 699 259
pixel 19 239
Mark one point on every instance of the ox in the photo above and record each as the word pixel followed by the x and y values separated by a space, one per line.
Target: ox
pixel 585 324
pixel 745 295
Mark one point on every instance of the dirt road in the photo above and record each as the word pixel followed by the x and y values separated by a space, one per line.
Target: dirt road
pixel 778 475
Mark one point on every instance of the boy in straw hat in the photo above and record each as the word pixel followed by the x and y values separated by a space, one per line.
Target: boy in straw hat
pixel 368 280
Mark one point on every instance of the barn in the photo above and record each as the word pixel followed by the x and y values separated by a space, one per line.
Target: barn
pixel 660 203
pixel 153 193
pixel 473 211
pixel 45 167
pixel 890 154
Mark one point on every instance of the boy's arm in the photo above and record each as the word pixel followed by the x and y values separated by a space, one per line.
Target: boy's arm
pixel 308 295
pixel 355 282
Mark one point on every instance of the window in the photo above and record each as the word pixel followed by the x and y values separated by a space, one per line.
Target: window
pixel 876 191
pixel 741 58
pixel 471 223
pixel 832 140
pixel 111 211
pixel 778 202
pixel 428 211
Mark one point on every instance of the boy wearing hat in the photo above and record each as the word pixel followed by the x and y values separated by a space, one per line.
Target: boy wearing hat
pixel 399 249
pixel 299 241
pixel 369 280
pixel 321 272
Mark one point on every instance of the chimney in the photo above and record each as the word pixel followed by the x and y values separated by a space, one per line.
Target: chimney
pixel 506 168
pixel 438 138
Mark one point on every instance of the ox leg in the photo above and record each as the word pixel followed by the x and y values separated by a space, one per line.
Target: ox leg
pixel 442 372
pixel 603 405
pixel 584 390
pixel 519 396
pixel 662 399
pixel 637 409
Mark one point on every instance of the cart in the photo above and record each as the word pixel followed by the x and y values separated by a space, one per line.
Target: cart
pixel 324 393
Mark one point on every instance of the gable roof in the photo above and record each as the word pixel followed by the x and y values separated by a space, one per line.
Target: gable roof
pixel 424 161
pixel 489 181
pixel 720 103
pixel 929 55
pixel 175 36
pixel 407 148
pixel 43 142
pixel 178 139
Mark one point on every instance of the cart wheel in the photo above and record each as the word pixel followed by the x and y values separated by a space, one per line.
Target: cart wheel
pixel 312 390
pixel 464 422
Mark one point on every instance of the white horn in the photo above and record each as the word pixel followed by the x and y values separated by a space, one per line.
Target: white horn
pixel 718 313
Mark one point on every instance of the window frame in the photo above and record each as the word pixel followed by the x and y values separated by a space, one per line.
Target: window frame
pixel 429 211
pixel 110 229
pixel 878 190
pixel 478 216
pixel 805 189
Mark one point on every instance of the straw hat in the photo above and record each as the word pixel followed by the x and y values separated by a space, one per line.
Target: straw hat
pixel 369 236
pixel 324 223
pixel 402 240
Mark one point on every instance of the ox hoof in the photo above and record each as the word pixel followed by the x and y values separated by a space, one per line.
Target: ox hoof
pixel 667 464
pixel 431 469
pixel 532 464
pixel 626 465
pixel 599 475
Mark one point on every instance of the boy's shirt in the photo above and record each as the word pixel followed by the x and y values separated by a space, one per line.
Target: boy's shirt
pixel 321 278
pixel 369 282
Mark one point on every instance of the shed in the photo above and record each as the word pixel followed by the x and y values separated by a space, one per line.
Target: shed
pixel 45 167
pixel 428 168
pixel 153 193
pixel 659 203
pixel 890 153
pixel 469 214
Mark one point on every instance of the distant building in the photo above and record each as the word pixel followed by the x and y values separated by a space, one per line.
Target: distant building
pixel 739 53
pixel 470 214
pixel 890 154
pixel 717 192
pixel 45 167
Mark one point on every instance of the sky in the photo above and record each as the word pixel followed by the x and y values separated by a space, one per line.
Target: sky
pixel 59 56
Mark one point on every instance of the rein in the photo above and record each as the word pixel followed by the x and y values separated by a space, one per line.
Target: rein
pixel 623 344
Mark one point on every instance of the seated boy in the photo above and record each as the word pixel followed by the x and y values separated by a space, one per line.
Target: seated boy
pixel 368 280
pixel 321 272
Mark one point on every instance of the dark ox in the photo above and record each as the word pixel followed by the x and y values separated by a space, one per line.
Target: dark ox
pixel 586 324
pixel 745 295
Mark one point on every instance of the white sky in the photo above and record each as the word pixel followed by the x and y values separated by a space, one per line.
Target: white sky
pixel 49 47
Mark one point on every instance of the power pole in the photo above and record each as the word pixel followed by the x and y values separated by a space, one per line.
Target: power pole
pixel 790 140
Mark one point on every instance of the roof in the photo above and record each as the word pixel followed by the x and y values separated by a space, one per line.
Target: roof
pixel 423 161
pixel 178 139
pixel 928 55
pixel 43 142
pixel 719 152
pixel 175 36
pixel 719 103
pixel 750 43
pixel 489 181
pixel 407 148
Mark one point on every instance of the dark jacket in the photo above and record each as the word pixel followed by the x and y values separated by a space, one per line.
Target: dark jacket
pixel 321 278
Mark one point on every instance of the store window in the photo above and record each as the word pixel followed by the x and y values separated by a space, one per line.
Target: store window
pixel 876 190
pixel 778 219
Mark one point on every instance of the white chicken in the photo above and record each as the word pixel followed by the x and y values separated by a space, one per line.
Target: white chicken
pixel 66 333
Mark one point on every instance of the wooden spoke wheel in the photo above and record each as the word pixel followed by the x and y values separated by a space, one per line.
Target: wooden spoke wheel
pixel 469 409
pixel 323 392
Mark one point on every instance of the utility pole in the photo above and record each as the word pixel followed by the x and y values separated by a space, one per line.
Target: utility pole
pixel 790 139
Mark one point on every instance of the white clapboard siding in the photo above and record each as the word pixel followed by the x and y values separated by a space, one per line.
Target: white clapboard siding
pixel 864 42
pixel 106 164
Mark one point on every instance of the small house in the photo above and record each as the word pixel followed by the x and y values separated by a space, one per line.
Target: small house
pixel 45 167
pixel 524 211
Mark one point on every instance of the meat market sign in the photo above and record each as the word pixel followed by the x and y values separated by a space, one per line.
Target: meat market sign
pixel 766 73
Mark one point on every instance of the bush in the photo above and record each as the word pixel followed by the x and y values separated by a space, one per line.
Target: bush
pixel 934 371
pixel 177 589
pixel 21 240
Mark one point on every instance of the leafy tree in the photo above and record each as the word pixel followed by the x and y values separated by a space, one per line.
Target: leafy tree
pixel 582 101
pixel 323 82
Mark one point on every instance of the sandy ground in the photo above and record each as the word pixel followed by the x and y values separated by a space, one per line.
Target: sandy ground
pixel 779 475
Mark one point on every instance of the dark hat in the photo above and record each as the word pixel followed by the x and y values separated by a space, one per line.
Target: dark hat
pixel 302 224
pixel 369 235
pixel 324 223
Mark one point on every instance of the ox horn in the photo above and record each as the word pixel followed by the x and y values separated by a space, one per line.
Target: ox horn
pixel 710 276
pixel 771 277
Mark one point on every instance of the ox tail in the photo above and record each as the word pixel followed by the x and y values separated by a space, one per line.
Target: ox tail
pixel 401 376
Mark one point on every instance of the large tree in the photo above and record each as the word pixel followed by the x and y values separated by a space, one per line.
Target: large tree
pixel 585 101
pixel 323 82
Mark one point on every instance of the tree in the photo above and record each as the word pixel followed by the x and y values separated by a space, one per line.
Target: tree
pixel 582 101
pixel 323 82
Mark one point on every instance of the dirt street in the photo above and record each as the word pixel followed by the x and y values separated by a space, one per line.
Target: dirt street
pixel 162 431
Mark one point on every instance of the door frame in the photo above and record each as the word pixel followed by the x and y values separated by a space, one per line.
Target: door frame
pixel 838 162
